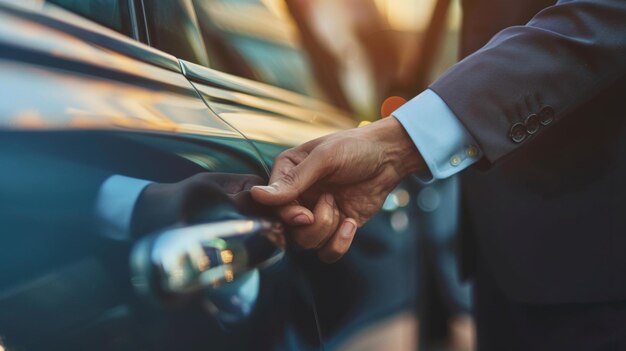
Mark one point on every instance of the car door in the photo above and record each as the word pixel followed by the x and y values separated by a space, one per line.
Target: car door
pixel 375 284
pixel 377 278
pixel 84 104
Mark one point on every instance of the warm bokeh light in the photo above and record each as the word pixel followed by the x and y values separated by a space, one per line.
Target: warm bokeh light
pixel 410 15
pixel 414 15
pixel 227 256
pixel 391 104
pixel 204 262
pixel 229 275
pixel 278 8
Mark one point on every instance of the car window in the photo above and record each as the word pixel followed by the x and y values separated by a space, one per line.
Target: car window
pixel 173 28
pixel 246 38
pixel 109 13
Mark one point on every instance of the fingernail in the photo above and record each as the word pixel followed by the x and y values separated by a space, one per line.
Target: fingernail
pixel 301 219
pixel 347 229
pixel 272 188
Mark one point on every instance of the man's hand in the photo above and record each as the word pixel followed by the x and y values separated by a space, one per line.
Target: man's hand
pixel 344 177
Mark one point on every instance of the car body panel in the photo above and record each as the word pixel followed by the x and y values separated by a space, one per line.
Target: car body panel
pixel 208 76
pixel 67 120
pixel 66 284
pixel 110 102
pixel 95 88
pixel 270 117
pixel 96 68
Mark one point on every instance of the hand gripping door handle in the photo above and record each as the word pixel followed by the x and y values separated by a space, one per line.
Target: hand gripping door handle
pixel 178 262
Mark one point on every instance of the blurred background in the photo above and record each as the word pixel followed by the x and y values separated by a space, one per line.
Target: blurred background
pixel 351 53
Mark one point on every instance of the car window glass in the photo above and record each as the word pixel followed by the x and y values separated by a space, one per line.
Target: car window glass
pixel 110 13
pixel 173 28
pixel 246 38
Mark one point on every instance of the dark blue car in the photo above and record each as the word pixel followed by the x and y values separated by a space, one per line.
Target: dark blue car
pixel 89 95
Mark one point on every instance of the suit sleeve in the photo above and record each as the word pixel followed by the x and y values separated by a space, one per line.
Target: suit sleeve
pixel 529 77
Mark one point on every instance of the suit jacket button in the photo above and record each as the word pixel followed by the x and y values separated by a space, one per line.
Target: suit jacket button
pixel 518 132
pixel 532 124
pixel 546 115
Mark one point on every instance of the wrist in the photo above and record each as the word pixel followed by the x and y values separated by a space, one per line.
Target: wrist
pixel 400 151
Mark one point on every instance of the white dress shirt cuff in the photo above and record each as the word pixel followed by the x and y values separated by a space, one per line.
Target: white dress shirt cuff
pixel 115 203
pixel 445 145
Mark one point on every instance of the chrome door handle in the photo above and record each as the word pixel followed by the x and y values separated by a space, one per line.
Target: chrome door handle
pixel 181 261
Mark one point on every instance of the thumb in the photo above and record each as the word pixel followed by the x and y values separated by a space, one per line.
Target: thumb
pixel 292 183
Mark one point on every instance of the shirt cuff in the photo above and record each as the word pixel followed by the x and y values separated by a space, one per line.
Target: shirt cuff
pixel 445 145
pixel 115 203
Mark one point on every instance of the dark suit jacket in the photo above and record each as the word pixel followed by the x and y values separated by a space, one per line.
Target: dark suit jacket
pixel 545 98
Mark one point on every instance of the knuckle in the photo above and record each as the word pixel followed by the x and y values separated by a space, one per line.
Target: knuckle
pixel 285 155
pixel 292 155
pixel 336 212
pixel 326 221
pixel 329 201
pixel 290 178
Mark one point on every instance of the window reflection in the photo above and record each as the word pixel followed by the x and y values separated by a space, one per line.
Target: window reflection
pixel 109 13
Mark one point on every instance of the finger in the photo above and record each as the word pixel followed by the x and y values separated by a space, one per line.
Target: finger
pixel 295 214
pixel 339 243
pixel 327 219
pixel 284 162
pixel 294 181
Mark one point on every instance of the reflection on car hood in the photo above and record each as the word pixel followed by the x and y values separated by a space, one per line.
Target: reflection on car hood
pixel 61 71
pixel 235 88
